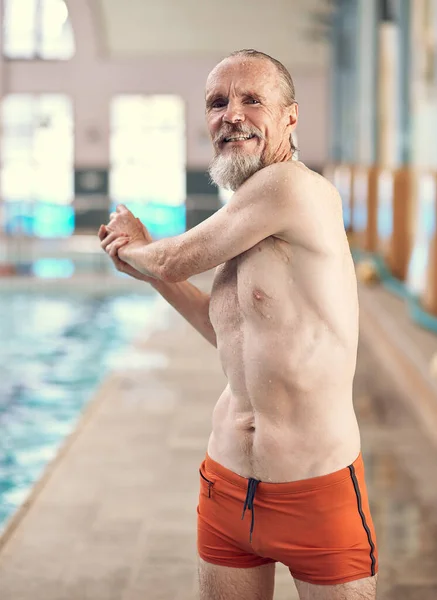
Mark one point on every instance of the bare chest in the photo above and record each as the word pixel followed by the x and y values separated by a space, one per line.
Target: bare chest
pixel 251 284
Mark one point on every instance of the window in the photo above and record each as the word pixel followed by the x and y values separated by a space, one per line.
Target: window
pixel 37 29
pixel 148 160
pixel 37 149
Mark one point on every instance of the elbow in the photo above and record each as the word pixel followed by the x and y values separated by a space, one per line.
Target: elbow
pixel 170 271
pixel 169 274
pixel 171 268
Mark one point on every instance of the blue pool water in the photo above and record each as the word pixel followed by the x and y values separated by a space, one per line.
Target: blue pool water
pixel 55 350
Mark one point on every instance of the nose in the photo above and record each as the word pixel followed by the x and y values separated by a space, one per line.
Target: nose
pixel 233 113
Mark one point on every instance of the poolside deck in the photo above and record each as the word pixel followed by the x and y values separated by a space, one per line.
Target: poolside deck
pixel 114 517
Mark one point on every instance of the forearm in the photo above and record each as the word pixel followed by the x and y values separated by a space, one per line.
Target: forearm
pixel 191 303
pixel 149 259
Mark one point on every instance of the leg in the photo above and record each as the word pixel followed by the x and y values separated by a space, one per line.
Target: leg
pixel 362 589
pixel 228 583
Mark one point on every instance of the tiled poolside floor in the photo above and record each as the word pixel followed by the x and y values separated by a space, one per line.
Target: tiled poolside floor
pixel 115 518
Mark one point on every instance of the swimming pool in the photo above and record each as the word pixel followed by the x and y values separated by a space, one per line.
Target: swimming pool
pixel 55 350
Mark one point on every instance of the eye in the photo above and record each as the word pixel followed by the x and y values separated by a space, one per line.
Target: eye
pixel 252 101
pixel 219 103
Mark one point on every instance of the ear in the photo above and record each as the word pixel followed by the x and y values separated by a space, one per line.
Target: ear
pixel 293 114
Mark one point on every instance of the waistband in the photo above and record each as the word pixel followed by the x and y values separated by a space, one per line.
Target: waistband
pixel 289 487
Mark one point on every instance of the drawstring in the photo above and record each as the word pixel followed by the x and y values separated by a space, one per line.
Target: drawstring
pixel 248 503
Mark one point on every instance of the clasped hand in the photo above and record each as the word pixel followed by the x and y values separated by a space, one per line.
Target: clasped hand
pixel 124 231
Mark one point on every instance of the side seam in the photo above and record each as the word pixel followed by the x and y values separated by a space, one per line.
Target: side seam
pixel 363 519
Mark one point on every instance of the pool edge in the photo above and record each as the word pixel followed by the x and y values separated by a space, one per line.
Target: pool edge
pixel 416 387
pixel 97 398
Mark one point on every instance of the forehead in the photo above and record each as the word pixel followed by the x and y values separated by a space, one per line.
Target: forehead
pixel 243 74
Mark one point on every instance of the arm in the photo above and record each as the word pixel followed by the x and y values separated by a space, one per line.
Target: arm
pixel 191 303
pixel 188 300
pixel 260 208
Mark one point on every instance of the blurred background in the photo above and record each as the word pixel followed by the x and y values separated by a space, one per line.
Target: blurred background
pixel 105 393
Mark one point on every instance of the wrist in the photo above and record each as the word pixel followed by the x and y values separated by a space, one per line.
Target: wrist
pixel 123 253
pixel 158 284
pixel 130 253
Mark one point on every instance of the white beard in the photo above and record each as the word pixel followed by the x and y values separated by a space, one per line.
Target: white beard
pixel 231 170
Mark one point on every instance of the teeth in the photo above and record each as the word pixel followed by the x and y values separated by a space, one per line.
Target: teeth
pixel 238 138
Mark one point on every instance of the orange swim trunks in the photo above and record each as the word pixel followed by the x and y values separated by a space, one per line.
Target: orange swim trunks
pixel 320 528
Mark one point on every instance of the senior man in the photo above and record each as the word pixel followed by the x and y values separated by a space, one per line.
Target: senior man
pixel 283 477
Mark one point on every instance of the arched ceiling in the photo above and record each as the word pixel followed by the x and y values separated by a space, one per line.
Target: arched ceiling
pixel 202 28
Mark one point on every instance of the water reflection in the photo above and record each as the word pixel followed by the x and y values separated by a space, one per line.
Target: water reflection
pixel 55 350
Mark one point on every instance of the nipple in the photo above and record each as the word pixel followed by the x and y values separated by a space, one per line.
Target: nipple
pixel 258 294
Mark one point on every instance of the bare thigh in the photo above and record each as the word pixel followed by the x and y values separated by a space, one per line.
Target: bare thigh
pixel 362 589
pixel 226 583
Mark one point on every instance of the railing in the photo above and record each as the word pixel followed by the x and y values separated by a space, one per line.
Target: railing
pixel 17 252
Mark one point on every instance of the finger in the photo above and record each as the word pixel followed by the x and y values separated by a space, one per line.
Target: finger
pixel 109 239
pixel 116 245
pixel 119 264
pixel 122 208
pixel 112 216
pixel 102 233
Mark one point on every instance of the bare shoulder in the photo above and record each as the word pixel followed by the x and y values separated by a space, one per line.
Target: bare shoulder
pixel 312 185
pixel 300 206
pixel 293 180
pixel 315 207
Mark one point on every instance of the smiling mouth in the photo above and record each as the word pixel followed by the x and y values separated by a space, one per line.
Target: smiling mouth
pixel 238 138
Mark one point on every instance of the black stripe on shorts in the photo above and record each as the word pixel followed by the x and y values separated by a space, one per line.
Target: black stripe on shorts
pixel 363 518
